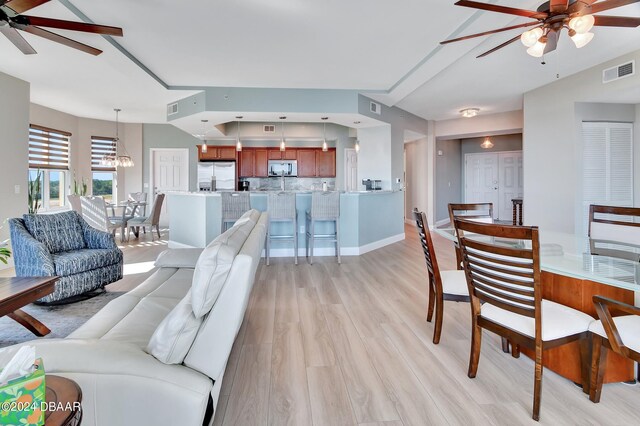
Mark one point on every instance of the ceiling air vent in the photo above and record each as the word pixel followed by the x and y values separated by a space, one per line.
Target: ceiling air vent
pixel 375 108
pixel 172 109
pixel 618 72
pixel 269 128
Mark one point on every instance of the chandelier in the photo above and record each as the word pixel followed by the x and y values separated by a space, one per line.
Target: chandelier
pixel 120 157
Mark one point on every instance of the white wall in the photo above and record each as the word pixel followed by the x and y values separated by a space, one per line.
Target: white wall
pixel 14 136
pixel 551 142
pixel 374 159
pixel 82 129
pixel 481 125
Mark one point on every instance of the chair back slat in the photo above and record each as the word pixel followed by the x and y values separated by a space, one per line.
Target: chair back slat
pixel 156 209
pixel 477 212
pixel 427 246
pixel 94 211
pixel 502 274
pixel 281 205
pixel 234 205
pixel 325 205
pixel 614 223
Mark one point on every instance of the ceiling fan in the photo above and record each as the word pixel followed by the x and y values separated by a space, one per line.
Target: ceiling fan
pixel 550 18
pixel 11 20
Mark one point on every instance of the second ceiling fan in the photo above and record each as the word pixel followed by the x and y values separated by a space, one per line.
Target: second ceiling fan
pixel 549 20
pixel 12 20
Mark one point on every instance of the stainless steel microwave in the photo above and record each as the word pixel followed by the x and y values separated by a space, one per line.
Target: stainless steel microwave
pixel 283 168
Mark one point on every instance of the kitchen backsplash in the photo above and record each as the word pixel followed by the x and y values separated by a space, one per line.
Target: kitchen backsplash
pixel 291 183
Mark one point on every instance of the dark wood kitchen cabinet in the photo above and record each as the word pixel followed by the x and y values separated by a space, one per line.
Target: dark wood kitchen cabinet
pixel 217 153
pixel 261 163
pixel 287 154
pixel 306 162
pixel 326 163
pixel 247 160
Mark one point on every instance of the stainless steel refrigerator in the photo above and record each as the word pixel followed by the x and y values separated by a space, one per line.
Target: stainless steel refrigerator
pixel 217 176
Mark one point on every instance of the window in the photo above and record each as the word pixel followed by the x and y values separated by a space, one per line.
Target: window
pixel 49 154
pixel 607 166
pixel 104 177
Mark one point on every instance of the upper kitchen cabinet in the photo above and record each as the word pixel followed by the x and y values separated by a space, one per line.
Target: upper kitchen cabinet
pixel 288 154
pixel 326 163
pixel 215 153
pixel 261 163
pixel 253 162
pixel 306 162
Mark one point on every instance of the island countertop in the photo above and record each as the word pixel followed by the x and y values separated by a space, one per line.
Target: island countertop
pixel 368 220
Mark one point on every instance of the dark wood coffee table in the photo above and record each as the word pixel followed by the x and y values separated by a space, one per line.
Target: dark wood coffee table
pixel 16 292
pixel 63 400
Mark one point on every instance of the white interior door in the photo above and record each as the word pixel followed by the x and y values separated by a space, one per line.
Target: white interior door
pixel 509 182
pixel 169 172
pixel 481 179
pixel 351 170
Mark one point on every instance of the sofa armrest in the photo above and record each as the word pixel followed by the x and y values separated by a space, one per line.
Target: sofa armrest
pixel 178 258
pixel 96 239
pixel 31 257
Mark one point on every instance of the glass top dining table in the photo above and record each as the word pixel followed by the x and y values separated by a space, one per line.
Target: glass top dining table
pixel 607 262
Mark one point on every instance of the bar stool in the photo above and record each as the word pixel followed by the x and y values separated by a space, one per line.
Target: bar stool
pixel 325 207
pixel 282 208
pixel 234 205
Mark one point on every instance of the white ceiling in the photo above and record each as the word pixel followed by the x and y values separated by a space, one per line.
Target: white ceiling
pixel 370 45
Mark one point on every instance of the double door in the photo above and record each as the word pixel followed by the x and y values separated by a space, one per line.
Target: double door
pixel 494 177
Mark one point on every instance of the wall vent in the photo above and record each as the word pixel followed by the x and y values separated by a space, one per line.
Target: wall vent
pixel 375 108
pixel 172 109
pixel 620 71
pixel 269 128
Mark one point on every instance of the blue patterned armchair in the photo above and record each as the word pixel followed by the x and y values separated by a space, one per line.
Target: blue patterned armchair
pixel 64 245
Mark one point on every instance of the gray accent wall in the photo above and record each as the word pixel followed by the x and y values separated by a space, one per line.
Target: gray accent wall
pixel 14 122
pixel 448 176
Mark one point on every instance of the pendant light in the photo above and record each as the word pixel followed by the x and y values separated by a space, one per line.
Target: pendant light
pixel 123 159
pixel 282 144
pixel 357 146
pixel 238 143
pixel 325 147
pixel 487 143
pixel 203 135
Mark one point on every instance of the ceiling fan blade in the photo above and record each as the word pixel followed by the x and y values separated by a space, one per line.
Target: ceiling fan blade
pixel 73 26
pixel 20 6
pixel 558 6
pixel 616 21
pixel 14 37
pixel 500 46
pixel 502 9
pixel 579 6
pixel 513 27
pixel 552 41
pixel 609 4
pixel 60 39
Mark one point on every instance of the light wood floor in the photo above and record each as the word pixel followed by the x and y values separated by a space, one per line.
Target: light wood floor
pixel 348 344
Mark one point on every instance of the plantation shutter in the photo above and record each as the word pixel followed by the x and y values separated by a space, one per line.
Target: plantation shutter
pixel 48 148
pixel 607 165
pixel 102 147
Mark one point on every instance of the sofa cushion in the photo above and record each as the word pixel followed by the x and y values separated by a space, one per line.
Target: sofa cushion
pixel 58 232
pixel 172 339
pixel 178 258
pixel 250 215
pixel 214 265
pixel 73 262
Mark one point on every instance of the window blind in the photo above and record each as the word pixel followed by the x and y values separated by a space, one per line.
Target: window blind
pixel 48 148
pixel 101 147
pixel 607 165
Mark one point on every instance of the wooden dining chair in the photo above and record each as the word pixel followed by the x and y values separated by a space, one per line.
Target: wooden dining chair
pixel 477 212
pixel 611 223
pixel 505 278
pixel 443 285
pixel 620 334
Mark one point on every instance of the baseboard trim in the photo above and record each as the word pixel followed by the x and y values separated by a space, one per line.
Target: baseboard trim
pixel 442 222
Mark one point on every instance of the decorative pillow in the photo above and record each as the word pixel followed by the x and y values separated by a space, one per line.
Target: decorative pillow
pixel 214 265
pixel 172 339
pixel 58 232
pixel 178 258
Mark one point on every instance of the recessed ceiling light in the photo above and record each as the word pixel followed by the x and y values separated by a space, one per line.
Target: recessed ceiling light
pixel 283 117
pixel 469 112
pixel 239 117
pixel 356 122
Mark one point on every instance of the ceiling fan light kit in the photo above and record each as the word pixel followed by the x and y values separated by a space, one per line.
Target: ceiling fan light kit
pixel 469 112
pixel 551 17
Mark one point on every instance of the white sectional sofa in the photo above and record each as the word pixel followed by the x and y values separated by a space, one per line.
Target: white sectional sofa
pixel 123 384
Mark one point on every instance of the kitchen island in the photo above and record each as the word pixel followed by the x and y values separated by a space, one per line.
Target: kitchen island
pixel 368 220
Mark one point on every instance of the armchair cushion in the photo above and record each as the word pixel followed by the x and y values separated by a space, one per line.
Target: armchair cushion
pixel 32 258
pixel 58 232
pixel 74 262
pixel 96 239
pixel 628 327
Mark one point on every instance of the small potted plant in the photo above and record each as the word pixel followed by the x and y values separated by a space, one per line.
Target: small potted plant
pixel 34 193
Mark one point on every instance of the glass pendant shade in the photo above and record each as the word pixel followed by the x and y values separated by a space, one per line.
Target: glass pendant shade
pixel 283 146
pixel 529 38
pixel 486 144
pixel 238 146
pixel 325 147
pixel 238 143
pixel 357 147
pixel 537 50
pixel 122 157
pixel 204 147
pixel 582 24
pixel 581 40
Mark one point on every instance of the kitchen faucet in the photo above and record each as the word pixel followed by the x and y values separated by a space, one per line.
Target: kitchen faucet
pixel 282 181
